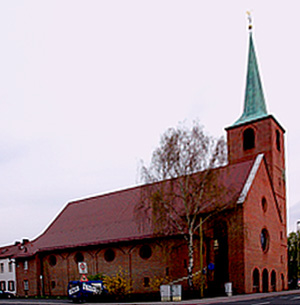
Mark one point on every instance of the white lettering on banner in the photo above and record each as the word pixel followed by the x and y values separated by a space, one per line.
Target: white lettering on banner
pixel 89 288
pixel 73 290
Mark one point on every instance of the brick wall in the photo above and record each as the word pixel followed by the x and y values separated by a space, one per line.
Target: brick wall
pixel 269 140
pixel 27 274
pixel 58 268
pixel 257 218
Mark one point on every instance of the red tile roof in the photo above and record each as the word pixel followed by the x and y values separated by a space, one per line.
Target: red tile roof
pixel 110 218
pixel 10 251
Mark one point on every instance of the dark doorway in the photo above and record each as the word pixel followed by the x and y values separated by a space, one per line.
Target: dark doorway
pixel 255 280
pixel 221 275
pixel 265 280
pixel 273 280
pixel 282 281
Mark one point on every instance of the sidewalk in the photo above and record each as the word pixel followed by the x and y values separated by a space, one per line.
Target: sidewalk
pixel 223 300
pixel 242 297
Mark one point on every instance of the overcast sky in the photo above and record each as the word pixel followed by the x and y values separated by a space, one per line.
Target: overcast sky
pixel 88 87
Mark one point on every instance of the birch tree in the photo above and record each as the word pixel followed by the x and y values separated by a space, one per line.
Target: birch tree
pixel 181 187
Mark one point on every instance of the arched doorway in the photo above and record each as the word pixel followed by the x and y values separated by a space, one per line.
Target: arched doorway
pixel 282 281
pixel 221 275
pixel 255 280
pixel 265 280
pixel 273 280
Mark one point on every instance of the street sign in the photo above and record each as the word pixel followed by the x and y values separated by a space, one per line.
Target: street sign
pixel 211 266
pixel 82 267
pixel 83 278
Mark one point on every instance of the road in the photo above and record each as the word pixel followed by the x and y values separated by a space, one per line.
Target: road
pixel 272 299
pixel 280 300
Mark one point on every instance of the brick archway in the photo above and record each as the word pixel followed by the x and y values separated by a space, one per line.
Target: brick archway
pixel 273 280
pixel 265 280
pixel 255 280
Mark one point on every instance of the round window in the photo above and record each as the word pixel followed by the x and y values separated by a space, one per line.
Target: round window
pixel 145 252
pixel 52 260
pixel 109 255
pixel 264 240
pixel 79 257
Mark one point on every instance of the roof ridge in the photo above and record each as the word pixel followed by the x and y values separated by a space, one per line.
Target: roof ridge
pixel 250 178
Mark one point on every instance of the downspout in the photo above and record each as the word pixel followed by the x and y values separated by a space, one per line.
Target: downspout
pixel 41 284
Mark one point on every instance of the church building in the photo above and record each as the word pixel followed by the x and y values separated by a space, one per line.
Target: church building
pixel 246 244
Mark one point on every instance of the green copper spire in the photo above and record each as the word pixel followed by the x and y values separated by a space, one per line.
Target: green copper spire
pixel 254 104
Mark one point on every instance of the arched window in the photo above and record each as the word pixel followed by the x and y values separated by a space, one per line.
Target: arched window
pixel 255 280
pixel 277 140
pixel 282 282
pixel 248 139
pixel 273 280
pixel 265 280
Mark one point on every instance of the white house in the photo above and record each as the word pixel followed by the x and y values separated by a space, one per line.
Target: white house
pixel 8 267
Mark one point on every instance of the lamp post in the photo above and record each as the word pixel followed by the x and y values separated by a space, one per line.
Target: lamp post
pixel 201 257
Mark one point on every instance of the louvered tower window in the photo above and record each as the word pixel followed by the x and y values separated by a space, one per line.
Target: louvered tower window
pixel 248 139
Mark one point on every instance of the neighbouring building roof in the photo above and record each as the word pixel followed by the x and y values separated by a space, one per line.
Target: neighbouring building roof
pixel 10 251
pixel 111 218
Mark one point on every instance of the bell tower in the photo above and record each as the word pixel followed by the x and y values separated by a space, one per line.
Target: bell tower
pixel 257 132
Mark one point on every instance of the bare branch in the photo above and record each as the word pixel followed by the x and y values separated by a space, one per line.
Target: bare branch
pixel 182 183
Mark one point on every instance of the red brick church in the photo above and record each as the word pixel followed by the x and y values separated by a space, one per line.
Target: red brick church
pixel 246 244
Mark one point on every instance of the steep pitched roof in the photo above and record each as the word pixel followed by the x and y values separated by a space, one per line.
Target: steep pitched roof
pixel 110 218
pixel 254 104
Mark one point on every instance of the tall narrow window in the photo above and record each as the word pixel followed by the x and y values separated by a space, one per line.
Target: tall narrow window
pixel 26 285
pixel 146 282
pixel 248 139
pixel 11 285
pixel 10 267
pixel 277 140
pixel 3 285
pixel 25 265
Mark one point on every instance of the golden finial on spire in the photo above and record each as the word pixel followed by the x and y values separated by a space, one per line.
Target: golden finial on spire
pixel 249 20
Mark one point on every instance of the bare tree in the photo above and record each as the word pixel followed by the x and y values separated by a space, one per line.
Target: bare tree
pixel 182 188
